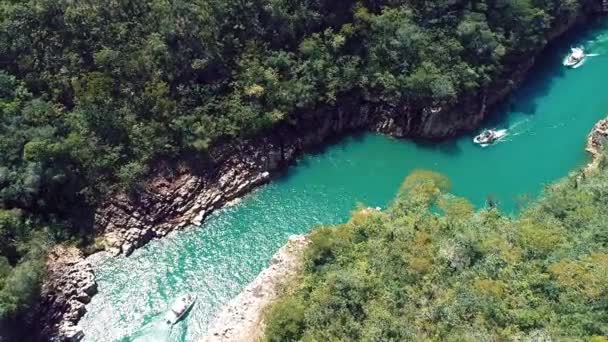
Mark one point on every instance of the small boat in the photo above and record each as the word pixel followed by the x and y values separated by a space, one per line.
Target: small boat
pixel 489 136
pixel 179 308
pixel 576 56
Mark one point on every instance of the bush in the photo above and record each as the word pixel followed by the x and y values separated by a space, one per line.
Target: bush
pixel 456 275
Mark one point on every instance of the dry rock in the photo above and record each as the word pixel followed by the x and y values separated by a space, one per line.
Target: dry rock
pixel 596 141
pixel 241 320
pixel 69 285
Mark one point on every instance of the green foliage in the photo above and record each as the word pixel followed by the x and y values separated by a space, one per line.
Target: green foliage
pixel 413 273
pixel 92 91
pixel 21 261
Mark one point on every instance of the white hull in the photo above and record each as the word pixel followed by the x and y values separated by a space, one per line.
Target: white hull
pixel 572 64
pixel 179 308
pixel 575 58
pixel 498 135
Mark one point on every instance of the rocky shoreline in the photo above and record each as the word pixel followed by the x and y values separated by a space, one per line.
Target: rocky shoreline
pixel 241 320
pixel 179 195
pixel 596 142
pixel 185 195
pixel 70 284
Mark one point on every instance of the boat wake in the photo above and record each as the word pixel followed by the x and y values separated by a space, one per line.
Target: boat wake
pixel 600 39
pixel 517 128
pixel 155 331
pixel 582 62
pixel 500 135
pixel 513 128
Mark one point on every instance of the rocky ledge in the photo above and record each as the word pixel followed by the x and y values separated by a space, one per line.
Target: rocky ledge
pixel 178 195
pixel 185 194
pixel 241 320
pixel 69 285
pixel 596 142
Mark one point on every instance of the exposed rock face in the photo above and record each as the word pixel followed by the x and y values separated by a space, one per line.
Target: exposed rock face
pixel 241 320
pixel 175 197
pixel 596 141
pixel 178 196
pixel 69 285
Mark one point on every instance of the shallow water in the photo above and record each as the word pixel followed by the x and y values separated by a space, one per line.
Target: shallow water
pixel 548 121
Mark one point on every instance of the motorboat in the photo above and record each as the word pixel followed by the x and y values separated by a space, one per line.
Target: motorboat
pixel 179 308
pixel 576 56
pixel 489 136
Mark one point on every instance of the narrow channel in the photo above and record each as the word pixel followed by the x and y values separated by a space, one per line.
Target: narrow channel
pixel 548 119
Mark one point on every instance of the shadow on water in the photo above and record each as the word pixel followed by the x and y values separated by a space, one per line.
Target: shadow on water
pixel 448 147
pixel 547 70
pixel 339 142
pixel 538 83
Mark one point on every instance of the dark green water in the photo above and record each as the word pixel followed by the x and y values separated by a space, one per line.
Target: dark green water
pixel 548 118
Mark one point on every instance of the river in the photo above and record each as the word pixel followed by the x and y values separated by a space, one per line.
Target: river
pixel 548 120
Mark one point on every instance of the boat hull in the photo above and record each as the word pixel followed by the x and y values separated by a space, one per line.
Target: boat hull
pixel 498 135
pixel 172 317
pixel 575 58
pixel 572 64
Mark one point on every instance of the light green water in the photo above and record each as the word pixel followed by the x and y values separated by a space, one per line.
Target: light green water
pixel 549 118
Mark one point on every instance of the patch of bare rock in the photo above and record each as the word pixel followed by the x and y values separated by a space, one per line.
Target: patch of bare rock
pixel 596 141
pixel 241 320
pixel 69 285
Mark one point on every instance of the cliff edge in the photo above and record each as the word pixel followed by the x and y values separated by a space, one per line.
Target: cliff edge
pixel 241 320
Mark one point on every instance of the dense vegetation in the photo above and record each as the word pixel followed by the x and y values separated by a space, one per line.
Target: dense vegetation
pixel 91 92
pixel 430 268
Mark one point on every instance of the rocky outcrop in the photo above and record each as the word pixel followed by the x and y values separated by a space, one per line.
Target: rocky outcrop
pixel 183 195
pixel 596 141
pixel 69 285
pixel 241 320
pixel 177 196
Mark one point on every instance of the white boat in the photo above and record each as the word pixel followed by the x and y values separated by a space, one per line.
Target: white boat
pixel 179 308
pixel 489 136
pixel 576 56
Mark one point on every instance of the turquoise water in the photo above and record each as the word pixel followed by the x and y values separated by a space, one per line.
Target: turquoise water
pixel 548 120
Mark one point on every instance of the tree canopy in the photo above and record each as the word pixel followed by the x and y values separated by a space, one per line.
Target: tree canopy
pixel 91 92
pixel 430 268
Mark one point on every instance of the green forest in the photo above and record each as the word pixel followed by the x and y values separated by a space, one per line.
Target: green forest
pixel 430 268
pixel 93 92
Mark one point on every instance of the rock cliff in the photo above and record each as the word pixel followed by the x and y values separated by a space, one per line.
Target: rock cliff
pixel 241 320
pixel 69 285
pixel 596 142
pixel 179 195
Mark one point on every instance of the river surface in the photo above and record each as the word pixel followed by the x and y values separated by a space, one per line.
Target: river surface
pixel 548 120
